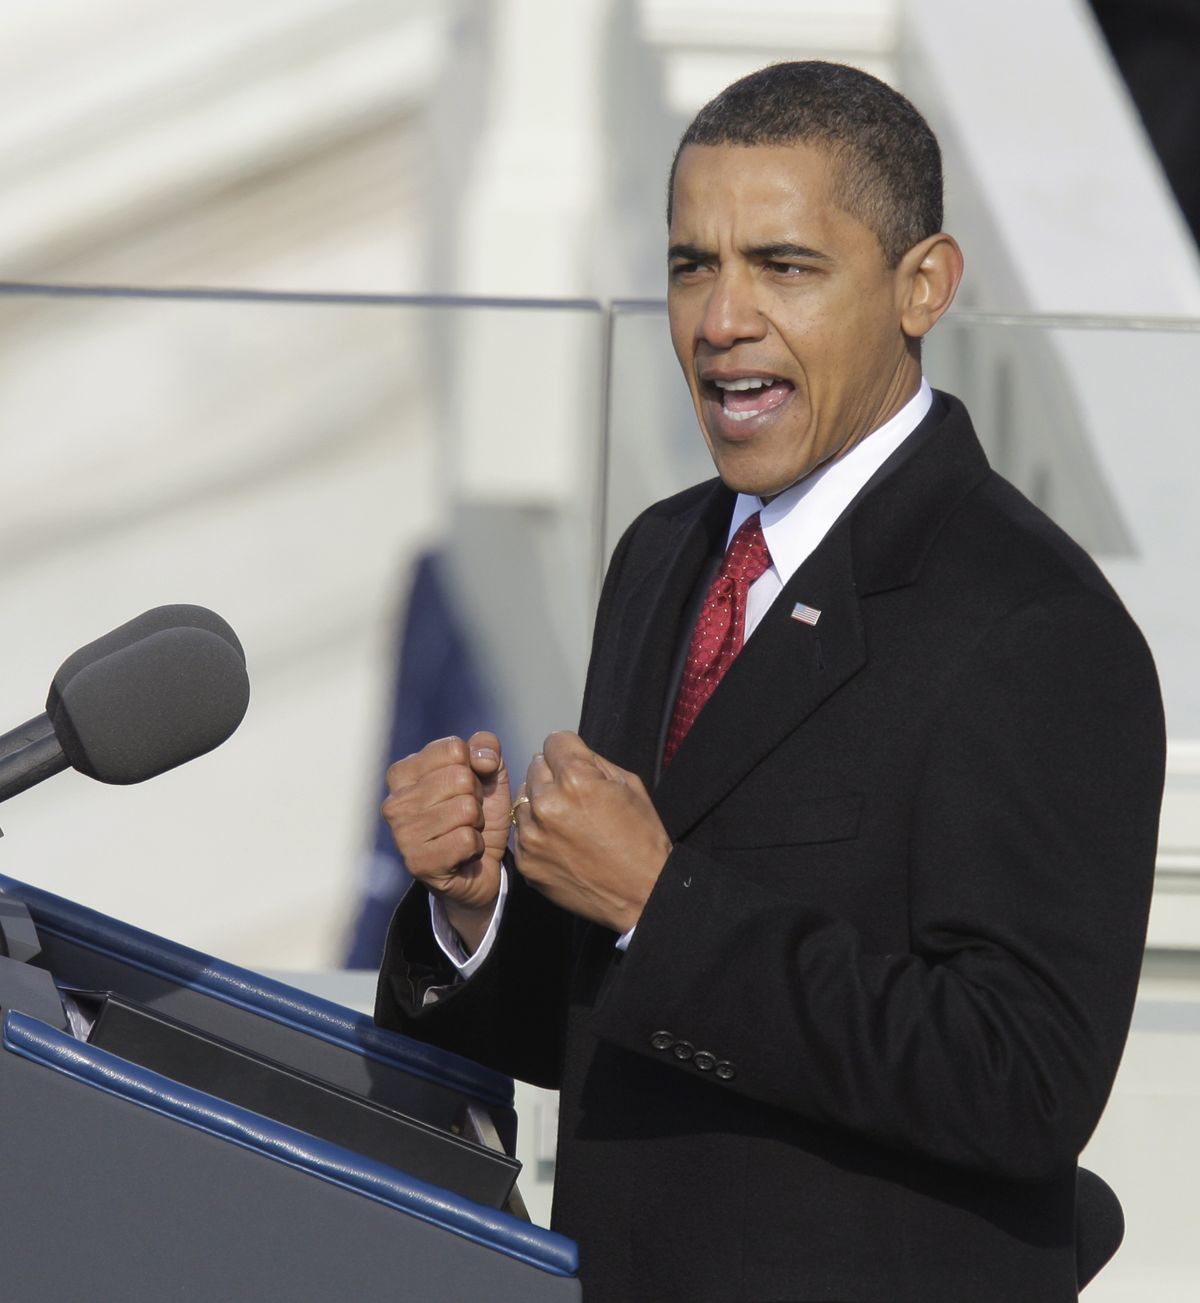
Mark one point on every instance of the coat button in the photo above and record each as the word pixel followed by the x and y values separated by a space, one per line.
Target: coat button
pixel 704 1061
pixel 725 1070
pixel 662 1040
pixel 683 1050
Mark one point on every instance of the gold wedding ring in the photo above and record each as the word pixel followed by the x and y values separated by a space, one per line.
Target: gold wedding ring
pixel 512 814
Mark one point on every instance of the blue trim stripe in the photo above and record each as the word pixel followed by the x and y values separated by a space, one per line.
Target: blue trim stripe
pixel 247 990
pixel 39 1043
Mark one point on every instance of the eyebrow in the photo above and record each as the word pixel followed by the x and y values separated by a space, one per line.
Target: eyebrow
pixel 688 253
pixel 783 250
pixel 777 252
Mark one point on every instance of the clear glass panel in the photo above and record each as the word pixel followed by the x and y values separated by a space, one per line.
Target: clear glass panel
pixel 654 444
pixel 1096 423
pixel 317 471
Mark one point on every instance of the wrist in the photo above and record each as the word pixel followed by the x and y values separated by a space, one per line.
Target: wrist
pixel 469 921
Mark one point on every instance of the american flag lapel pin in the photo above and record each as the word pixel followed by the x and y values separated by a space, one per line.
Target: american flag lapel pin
pixel 805 614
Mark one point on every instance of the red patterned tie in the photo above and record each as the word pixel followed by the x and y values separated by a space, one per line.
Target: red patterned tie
pixel 720 628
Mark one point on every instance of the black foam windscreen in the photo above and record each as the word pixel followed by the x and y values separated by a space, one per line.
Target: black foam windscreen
pixel 180 615
pixel 147 706
pixel 1099 1224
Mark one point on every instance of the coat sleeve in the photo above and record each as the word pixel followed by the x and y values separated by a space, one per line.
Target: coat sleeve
pixel 992 1041
pixel 511 1014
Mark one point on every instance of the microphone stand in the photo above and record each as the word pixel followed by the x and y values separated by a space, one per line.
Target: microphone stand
pixel 29 754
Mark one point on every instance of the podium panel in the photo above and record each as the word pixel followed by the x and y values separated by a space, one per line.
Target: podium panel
pixel 194 1058
pixel 125 1182
pixel 83 948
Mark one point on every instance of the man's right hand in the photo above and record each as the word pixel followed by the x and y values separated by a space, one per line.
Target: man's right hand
pixel 448 809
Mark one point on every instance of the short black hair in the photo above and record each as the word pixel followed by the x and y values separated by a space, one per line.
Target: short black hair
pixel 891 165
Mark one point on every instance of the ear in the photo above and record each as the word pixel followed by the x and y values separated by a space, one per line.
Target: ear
pixel 928 277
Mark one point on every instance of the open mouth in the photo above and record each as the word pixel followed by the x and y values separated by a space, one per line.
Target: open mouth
pixel 749 396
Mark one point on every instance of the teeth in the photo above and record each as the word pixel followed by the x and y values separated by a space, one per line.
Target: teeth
pixel 741 416
pixel 750 382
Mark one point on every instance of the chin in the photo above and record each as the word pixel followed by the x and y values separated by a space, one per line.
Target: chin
pixel 751 488
pixel 755 484
pixel 757 476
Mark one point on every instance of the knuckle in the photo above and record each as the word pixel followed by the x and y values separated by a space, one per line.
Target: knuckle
pixel 533 835
pixel 397 811
pixel 562 740
pixel 452 751
pixel 460 781
pixel 467 812
pixel 464 843
pixel 575 775
pixel 418 864
pixel 549 808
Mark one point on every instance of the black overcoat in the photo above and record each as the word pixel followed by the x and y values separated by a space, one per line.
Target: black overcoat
pixel 875 1003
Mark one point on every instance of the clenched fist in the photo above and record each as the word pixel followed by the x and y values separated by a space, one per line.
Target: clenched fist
pixel 448 809
pixel 589 838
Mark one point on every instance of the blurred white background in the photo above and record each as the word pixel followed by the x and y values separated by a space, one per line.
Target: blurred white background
pixel 281 442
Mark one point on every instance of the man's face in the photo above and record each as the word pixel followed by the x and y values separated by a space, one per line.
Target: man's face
pixel 784 314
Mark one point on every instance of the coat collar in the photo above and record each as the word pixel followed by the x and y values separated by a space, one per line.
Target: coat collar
pixel 902 508
pixel 678 545
pixel 787 667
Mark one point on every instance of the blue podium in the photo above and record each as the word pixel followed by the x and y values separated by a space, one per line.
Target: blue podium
pixel 174 1127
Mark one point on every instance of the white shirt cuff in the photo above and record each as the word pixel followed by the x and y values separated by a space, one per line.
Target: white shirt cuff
pixel 451 943
pixel 625 938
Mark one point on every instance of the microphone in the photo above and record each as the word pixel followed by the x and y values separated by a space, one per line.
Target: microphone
pixel 159 690
pixel 141 626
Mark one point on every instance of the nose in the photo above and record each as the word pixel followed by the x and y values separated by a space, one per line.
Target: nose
pixel 731 313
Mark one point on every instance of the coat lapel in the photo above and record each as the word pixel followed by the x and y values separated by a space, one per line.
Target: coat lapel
pixel 788 668
pixel 784 672
pixel 650 627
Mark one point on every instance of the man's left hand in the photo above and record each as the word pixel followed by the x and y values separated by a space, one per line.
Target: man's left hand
pixel 589 837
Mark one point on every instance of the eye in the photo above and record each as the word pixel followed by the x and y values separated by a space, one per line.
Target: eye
pixel 685 268
pixel 788 269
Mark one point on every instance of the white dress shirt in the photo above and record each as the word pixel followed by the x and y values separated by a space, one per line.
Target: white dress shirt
pixel 793 524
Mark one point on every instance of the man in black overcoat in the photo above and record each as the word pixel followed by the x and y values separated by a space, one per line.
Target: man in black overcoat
pixel 827 924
